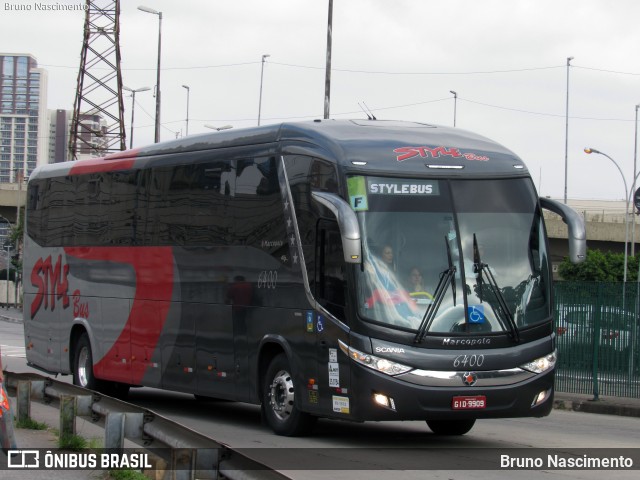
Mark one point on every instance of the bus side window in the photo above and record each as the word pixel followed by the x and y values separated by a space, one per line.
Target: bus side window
pixel 35 213
pixel 330 275
pixel 323 176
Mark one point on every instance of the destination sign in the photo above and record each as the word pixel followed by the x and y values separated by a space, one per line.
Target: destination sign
pixel 387 186
pixel 361 187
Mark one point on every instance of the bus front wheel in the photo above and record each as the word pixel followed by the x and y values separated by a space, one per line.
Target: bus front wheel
pixel 83 364
pixel 278 401
pixel 450 427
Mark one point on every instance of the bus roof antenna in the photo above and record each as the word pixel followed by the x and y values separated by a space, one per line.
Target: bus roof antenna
pixel 365 112
pixel 373 117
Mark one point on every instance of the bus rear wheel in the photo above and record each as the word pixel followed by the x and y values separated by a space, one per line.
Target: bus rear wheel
pixel 450 427
pixel 279 408
pixel 83 364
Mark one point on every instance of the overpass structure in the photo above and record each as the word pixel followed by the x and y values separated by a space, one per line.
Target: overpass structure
pixel 605 225
pixel 12 196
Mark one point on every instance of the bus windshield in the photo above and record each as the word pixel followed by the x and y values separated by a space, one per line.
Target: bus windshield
pixel 451 256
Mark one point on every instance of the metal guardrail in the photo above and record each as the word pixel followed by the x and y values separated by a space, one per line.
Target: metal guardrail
pixel 184 453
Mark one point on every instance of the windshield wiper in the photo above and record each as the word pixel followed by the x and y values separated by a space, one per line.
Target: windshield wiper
pixel 447 278
pixel 502 308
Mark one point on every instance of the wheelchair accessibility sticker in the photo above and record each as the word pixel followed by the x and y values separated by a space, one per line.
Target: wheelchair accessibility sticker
pixel 476 314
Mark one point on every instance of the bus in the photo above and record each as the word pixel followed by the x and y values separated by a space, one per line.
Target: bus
pixel 271 265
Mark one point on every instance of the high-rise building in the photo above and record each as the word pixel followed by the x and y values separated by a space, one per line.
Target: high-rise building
pixel 59 128
pixel 24 126
pixel 91 131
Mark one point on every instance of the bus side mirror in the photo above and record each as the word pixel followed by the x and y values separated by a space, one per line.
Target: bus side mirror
pixel 575 224
pixel 347 222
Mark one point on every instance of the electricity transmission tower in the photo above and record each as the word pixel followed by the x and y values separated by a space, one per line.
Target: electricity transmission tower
pixel 97 127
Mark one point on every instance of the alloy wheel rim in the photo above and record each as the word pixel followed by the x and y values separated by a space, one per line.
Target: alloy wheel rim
pixel 281 395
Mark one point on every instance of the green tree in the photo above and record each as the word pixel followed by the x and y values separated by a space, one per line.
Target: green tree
pixel 15 237
pixel 600 267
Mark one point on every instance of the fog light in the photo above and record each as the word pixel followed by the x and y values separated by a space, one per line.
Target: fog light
pixel 540 398
pixel 384 401
pixel 381 399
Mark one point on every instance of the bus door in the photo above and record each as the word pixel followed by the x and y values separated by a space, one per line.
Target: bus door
pixel 331 293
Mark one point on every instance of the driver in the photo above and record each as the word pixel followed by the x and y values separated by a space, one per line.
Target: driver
pixel 415 281
pixel 415 285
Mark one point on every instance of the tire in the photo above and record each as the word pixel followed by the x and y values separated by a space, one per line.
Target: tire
pixel 83 364
pixel 279 408
pixel 450 427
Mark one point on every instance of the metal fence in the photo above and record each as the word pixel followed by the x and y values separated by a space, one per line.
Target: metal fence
pixel 598 338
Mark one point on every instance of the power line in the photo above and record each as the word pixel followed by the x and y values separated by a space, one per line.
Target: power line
pixel 484 104
pixel 617 72
pixel 360 71
pixel 546 114
pixel 386 72
pixel 193 67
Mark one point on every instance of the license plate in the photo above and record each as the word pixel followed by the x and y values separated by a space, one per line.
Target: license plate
pixel 469 403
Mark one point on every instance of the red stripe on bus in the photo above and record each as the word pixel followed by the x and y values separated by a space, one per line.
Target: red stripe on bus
pixel 128 358
pixel 109 164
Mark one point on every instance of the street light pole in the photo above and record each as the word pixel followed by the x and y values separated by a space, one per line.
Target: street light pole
pixel 188 91
pixel 566 135
pixel 626 206
pixel 159 14
pixel 133 107
pixel 327 75
pixel 8 264
pixel 264 58
pixel 455 106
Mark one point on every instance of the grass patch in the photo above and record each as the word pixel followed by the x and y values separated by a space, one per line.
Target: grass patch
pixel 126 475
pixel 72 442
pixel 31 424
pixel 76 442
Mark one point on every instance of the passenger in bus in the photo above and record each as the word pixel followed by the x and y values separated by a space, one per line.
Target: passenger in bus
pixel 387 256
pixel 382 268
pixel 387 291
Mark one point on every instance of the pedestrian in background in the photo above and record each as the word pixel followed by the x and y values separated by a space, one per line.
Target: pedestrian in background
pixel 7 436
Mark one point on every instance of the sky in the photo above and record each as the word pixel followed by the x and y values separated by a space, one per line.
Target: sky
pixel 506 59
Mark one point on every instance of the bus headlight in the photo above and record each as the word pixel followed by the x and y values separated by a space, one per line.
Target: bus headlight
pixel 375 363
pixel 542 364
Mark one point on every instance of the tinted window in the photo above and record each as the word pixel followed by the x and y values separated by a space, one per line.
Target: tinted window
pixel 59 203
pixel 257 206
pixel 189 204
pixel 330 276
pixel 305 175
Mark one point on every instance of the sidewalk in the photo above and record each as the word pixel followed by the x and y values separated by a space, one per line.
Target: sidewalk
pixel 48 439
pixel 11 314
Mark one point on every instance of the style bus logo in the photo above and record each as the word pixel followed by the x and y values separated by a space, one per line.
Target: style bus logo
pixel 405 153
pixel 52 282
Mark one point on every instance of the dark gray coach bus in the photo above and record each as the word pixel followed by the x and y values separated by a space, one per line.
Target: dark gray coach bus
pixel 359 270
